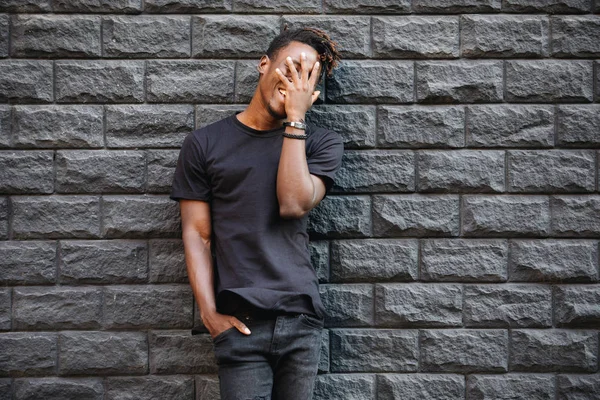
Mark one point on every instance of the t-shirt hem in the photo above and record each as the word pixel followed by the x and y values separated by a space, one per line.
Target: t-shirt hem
pixel 188 196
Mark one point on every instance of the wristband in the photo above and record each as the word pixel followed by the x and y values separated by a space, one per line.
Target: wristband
pixel 297 125
pixel 289 135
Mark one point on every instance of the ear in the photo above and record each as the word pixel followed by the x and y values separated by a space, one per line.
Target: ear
pixel 263 64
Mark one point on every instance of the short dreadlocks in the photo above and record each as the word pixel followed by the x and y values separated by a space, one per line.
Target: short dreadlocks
pixel 315 38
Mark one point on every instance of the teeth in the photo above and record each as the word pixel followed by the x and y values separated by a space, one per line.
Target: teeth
pixel 282 91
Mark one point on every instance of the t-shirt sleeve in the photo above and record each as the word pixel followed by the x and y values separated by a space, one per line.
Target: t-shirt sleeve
pixel 325 159
pixel 191 181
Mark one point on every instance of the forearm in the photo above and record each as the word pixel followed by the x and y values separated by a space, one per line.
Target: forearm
pixel 199 263
pixel 295 187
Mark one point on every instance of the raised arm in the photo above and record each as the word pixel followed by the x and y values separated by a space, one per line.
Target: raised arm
pixel 196 227
pixel 297 190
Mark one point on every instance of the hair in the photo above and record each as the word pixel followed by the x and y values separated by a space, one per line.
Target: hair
pixel 315 38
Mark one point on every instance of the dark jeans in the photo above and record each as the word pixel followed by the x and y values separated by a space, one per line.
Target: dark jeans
pixel 277 361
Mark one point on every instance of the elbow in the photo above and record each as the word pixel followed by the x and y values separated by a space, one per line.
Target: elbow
pixel 292 211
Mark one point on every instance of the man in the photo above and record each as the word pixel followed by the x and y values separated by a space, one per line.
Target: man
pixel 245 185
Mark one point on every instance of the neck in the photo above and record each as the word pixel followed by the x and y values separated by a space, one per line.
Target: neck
pixel 256 116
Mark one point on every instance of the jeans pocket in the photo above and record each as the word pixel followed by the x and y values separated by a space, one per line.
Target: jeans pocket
pixel 311 321
pixel 222 335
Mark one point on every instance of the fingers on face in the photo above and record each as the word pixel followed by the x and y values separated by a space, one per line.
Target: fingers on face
pixel 304 66
pixel 314 75
pixel 282 77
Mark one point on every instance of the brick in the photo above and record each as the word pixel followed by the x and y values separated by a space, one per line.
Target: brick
pixel 366 7
pixel 149 387
pixel 577 305
pixel 5 310
pixel 360 82
pixel 240 36
pixel 510 125
pixel 206 114
pixel 341 217
pixel 364 171
pixel 65 126
pixel 458 171
pixel 5 123
pixel 558 171
pixel 418 305
pixel 246 80
pixel 421 126
pixel 3 217
pixel 555 350
pixel 6 388
pixel 516 386
pixel 59 389
pixel 575 216
pixel 319 259
pixel 103 261
pixel 100 171
pixel 4 28
pixel 55 36
pixel 374 260
pixel 499 36
pixel 56 308
pixel 344 387
pixel 100 81
pixel 466 260
pixel 549 81
pixel 161 169
pixel 277 6
pixel 416 386
pixel 103 353
pixel 98 6
pixel 351 33
pixel 508 306
pixel 506 215
pixel 415 215
pixel 207 387
pixel 555 6
pixel 25 6
pixel 186 6
pixel 578 125
pixel 374 350
pixel 146 307
pixel 146 36
pixel 356 124
pixel 27 354
pixel 553 260
pixel 27 262
pixel 464 350
pixel 348 305
pixel 56 217
pixel 459 81
pixel 324 356
pixel 28 81
pixel 575 36
pixel 456 6
pixel 148 125
pixel 26 172
pixel 597 83
pixel 179 352
pixel 415 37
pixel 189 81
pixel 143 216
pixel 574 387
pixel 167 261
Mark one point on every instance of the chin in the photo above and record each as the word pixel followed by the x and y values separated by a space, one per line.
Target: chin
pixel 277 114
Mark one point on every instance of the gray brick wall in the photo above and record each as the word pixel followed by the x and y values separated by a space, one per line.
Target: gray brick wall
pixel 458 253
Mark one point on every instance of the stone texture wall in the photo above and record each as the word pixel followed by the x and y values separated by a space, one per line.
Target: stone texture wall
pixel 458 254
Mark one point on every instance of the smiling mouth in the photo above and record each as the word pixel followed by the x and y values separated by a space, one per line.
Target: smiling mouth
pixel 282 91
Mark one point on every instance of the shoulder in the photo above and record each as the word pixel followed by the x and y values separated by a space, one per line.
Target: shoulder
pixel 317 134
pixel 203 136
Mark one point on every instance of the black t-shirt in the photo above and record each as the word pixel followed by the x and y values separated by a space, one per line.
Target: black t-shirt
pixel 260 257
